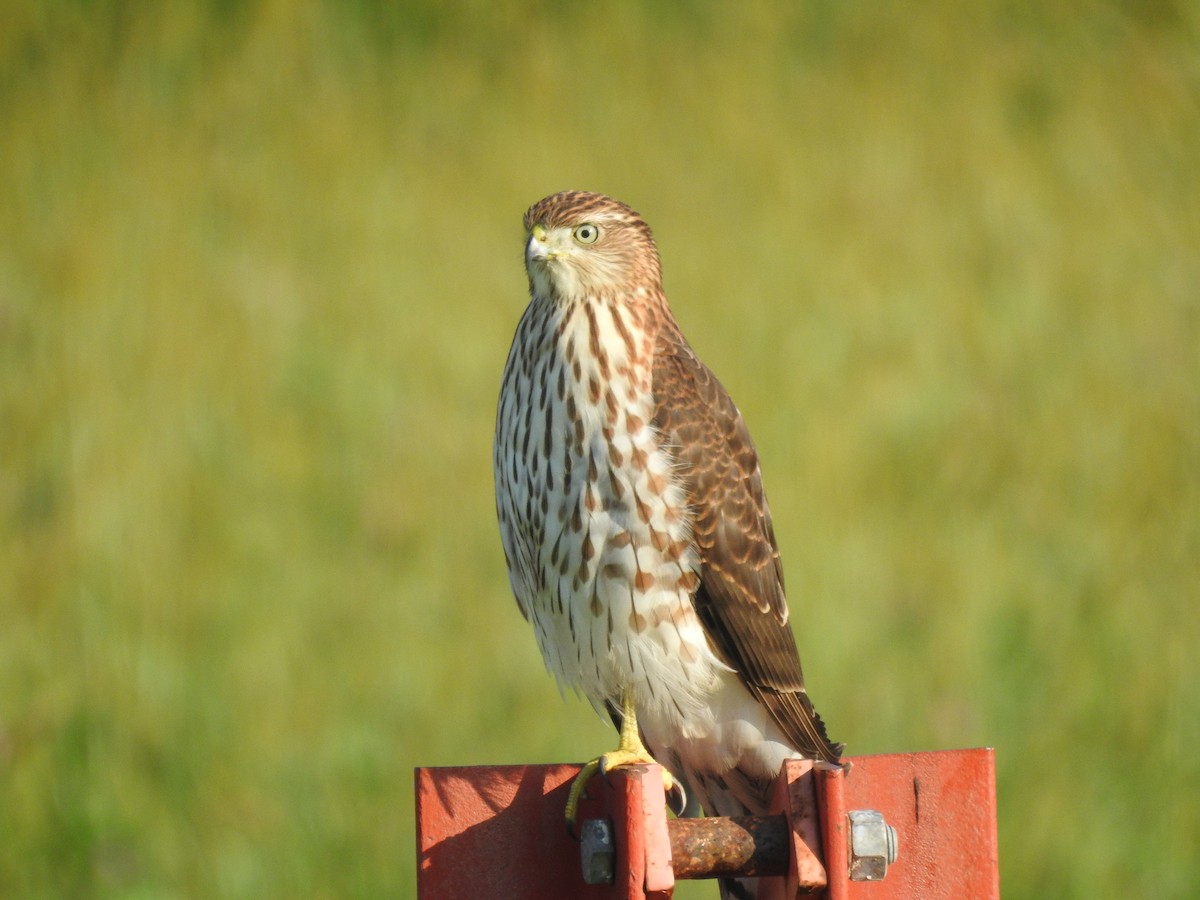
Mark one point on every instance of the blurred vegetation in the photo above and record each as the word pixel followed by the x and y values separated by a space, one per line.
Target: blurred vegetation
pixel 259 269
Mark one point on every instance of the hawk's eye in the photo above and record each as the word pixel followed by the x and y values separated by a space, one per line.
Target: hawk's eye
pixel 586 233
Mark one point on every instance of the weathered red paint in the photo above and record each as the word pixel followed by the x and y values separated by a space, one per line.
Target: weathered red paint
pixel 796 798
pixel 498 831
pixel 943 807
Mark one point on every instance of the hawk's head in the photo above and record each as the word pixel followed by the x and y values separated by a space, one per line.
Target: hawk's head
pixel 582 244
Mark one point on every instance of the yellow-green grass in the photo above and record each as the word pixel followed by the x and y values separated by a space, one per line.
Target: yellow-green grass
pixel 259 268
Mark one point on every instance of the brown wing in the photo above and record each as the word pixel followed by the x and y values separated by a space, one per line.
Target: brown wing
pixel 740 599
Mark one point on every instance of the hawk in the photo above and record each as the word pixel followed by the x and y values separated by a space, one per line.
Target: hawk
pixel 635 528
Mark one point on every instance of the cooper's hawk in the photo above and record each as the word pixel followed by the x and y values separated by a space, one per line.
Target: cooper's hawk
pixel 635 529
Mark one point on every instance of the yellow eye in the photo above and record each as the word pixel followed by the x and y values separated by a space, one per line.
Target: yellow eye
pixel 586 233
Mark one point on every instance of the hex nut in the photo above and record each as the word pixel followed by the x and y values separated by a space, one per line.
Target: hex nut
pixel 597 853
pixel 873 845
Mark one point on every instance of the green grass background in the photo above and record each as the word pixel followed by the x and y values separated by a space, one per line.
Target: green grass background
pixel 259 268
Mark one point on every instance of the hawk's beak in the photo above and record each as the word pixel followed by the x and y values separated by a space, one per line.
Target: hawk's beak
pixel 537 247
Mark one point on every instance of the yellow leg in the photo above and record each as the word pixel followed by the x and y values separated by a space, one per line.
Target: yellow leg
pixel 630 752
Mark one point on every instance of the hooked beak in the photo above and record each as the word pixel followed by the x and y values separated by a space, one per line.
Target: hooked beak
pixel 537 248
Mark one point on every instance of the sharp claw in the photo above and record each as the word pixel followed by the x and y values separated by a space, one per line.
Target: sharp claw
pixel 578 792
pixel 677 797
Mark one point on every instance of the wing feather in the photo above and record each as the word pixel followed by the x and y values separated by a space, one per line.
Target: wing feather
pixel 740 599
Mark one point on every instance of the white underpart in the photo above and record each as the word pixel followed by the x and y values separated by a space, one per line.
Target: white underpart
pixel 586 626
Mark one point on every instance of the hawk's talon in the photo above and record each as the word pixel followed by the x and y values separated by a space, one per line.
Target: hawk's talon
pixel 630 752
pixel 620 759
pixel 676 796
pixel 578 792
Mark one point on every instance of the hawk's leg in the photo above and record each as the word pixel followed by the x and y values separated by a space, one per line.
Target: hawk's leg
pixel 630 752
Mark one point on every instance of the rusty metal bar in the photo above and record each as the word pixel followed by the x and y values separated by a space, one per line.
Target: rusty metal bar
pixel 719 846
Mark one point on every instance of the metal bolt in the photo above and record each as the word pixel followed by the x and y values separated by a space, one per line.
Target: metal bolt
pixel 873 845
pixel 596 852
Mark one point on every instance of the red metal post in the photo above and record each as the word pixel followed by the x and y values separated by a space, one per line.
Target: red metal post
pixel 796 799
pixel 499 831
pixel 634 801
pixel 943 807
